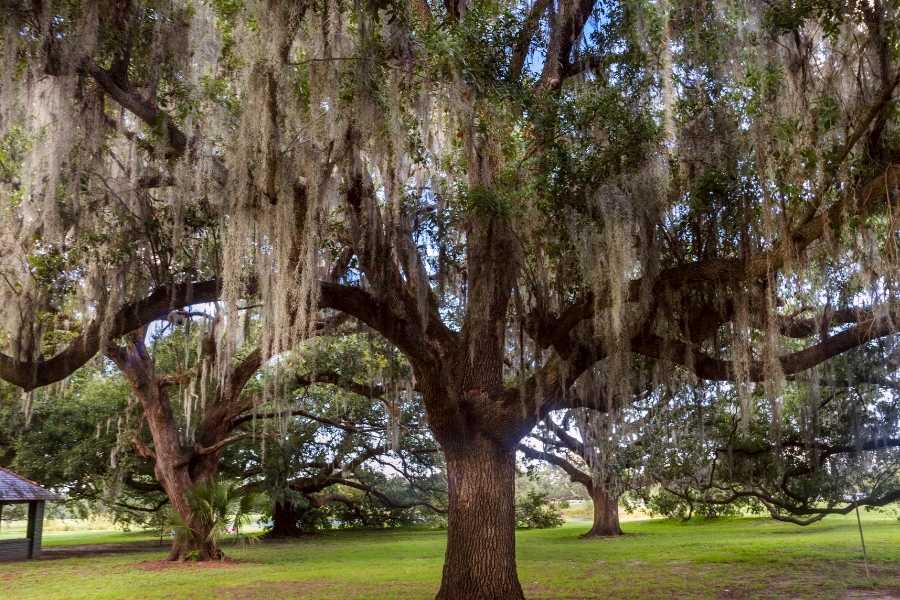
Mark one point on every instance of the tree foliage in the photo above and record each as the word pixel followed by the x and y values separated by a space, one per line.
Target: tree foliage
pixel 534 511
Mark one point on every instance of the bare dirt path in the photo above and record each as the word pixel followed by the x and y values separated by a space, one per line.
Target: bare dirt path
pixel 58 552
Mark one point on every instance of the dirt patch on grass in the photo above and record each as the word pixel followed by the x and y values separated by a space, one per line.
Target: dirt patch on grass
pixel 883 594
pixel 266 590
pixel 741 581
pixel 732 594
pixel 100 549
pixel 190 565
pixel 538 590
pixel 808 579
pixel 281 589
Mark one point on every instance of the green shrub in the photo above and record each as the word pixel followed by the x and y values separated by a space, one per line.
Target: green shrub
pixel 534 511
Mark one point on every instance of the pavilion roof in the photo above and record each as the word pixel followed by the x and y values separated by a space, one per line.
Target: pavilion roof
pixel 15 488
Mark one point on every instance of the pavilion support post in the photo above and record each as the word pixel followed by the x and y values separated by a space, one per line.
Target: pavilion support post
pixel 35 527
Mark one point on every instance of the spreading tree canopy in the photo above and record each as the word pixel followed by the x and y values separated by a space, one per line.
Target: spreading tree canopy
pixel 507 192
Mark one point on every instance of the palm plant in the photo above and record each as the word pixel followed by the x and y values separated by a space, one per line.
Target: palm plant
pixel 217 509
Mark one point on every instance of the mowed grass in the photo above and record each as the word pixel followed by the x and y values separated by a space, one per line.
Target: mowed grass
pixel 56 539
pixel 740 558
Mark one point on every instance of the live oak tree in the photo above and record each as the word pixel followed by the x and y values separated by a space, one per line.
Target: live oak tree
pixel 831 445
pixel 508 193
pixel 567 446
pixel 351 411
pixel 826 445
pixel 184 456
pixel 346 458
pixel 100 424
pixel 604 448
pixel 192 417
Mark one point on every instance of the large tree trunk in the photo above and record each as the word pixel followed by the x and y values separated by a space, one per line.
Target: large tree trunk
pixel 176 470
pixel 178 480
pixel 285 520
pixel 180 467
pixel 480 562
pixel 606 513
pixel 195 544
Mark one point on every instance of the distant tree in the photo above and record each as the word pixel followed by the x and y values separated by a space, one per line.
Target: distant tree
pixel 76 439
pixel 579 456
pixel 333 461
pixel 828 444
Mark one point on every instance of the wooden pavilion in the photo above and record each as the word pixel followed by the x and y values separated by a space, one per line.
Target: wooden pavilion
pixel 18 490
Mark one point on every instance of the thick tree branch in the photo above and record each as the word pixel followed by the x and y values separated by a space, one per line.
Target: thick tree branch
pixel 386 500
pixel 780 509
pixel 146 111
pixel 525 37
pixel 563 436
pixel 29 375
pixel 202 451
pixel 379 315
pixel 574 473
pixel 569 25
pixel 152 509
pixel 300 413
pixel 710 368
pixel 158 304
pixel 721 273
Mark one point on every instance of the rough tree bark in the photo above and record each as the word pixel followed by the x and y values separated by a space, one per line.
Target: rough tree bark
pixel 480 562
pixel 606 513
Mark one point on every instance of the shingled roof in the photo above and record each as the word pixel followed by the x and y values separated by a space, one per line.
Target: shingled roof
pixel 14 488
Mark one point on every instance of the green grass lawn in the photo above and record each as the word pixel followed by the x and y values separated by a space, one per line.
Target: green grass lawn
pixel 742 558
